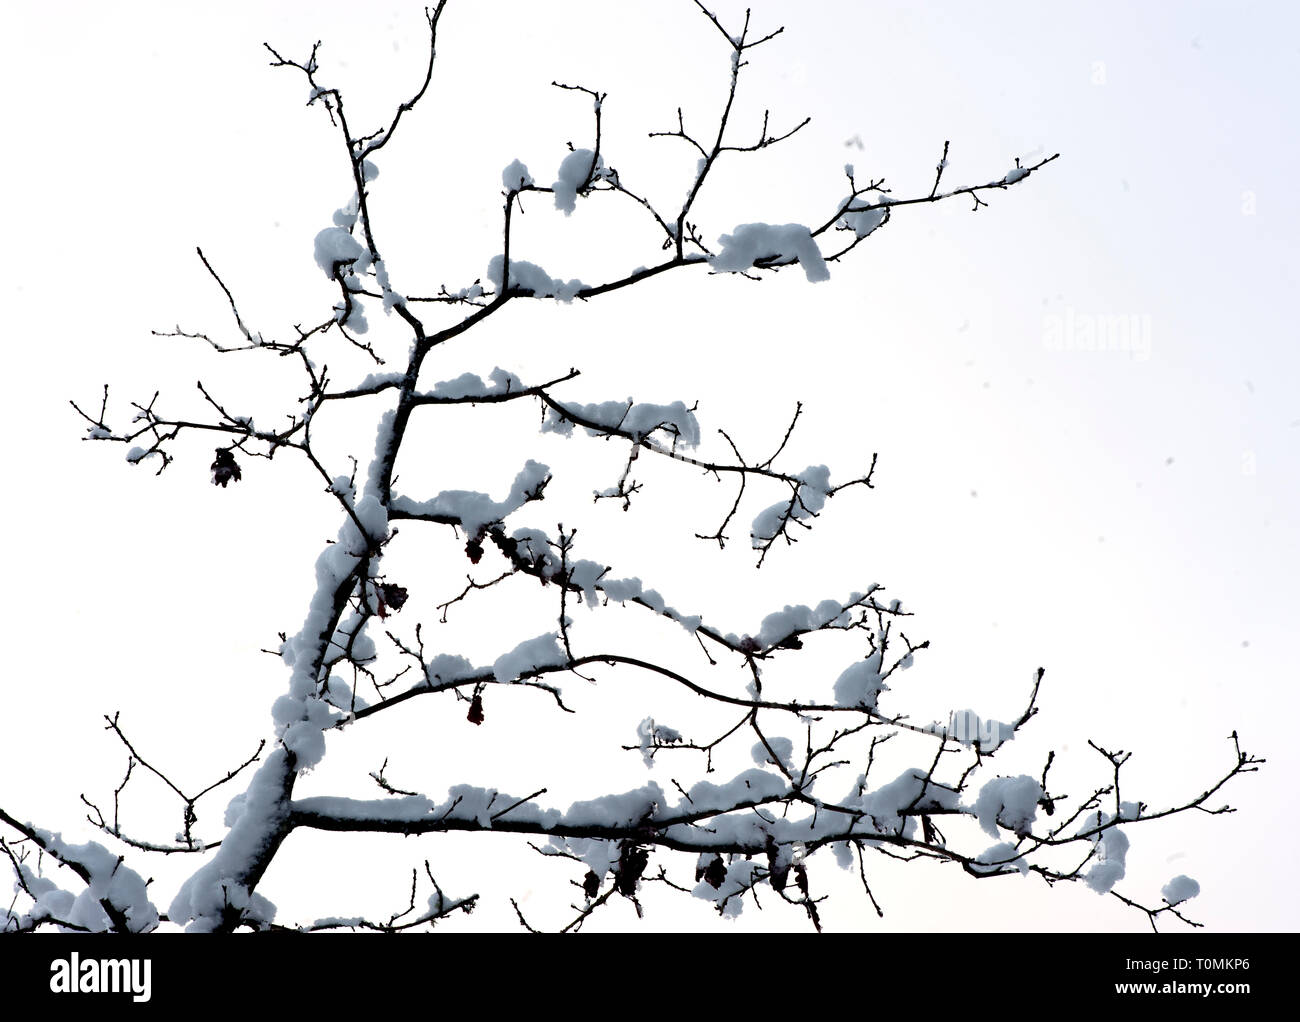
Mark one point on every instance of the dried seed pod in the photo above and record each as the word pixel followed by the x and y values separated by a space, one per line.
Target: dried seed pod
pixel 225 468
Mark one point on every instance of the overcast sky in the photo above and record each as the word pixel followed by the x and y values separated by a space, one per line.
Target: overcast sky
pixel 1084 398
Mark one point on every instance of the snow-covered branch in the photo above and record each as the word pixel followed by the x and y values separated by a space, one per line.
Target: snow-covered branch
pixel 816 735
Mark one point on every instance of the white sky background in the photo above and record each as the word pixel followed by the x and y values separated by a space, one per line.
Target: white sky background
pixel 1125 518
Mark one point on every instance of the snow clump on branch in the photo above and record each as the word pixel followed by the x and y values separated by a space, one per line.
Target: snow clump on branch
pixel 860 219
pixel 775 244
pixel 861 683
pixel 334 245
pixel 577 171
pixel 814 488
pixel 1010 802
pixel 628 417
pixel 474 511
pixel 531 277
pixel 516 176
